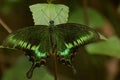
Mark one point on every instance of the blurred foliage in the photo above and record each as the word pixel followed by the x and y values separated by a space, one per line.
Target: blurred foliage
pixel 96 20
pixel 89 67
pixel 7 6
pixel 119 9
pixel 17 72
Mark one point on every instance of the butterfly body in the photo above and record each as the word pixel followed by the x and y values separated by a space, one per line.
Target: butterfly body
pixel 41 41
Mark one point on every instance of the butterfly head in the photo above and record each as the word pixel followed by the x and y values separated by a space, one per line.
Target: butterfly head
pixel 51 23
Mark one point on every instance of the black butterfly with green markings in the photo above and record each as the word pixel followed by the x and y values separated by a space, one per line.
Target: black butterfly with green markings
pixel 40 41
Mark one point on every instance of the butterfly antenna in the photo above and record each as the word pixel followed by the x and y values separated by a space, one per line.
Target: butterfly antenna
pixel 58 14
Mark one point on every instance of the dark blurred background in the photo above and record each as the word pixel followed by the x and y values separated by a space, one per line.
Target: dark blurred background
pixel 16 14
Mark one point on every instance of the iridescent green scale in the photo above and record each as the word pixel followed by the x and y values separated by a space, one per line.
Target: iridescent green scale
pixel 40 41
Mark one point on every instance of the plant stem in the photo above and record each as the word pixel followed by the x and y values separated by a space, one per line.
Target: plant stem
pixel 85 8
pixel 55 66
pixel 5 26
pixel 50 1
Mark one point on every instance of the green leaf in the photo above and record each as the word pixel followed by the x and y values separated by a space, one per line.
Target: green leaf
pixel 43 13
pixel 18 71
pixel 95 19
pixel 110 47
pixel 10 51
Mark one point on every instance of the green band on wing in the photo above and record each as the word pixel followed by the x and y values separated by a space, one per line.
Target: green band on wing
pixel 69 45
pixel 65 52
pixel 80 40
pixel 40 54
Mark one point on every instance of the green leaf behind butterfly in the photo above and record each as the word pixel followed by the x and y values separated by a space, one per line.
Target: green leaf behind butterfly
pixel 43 13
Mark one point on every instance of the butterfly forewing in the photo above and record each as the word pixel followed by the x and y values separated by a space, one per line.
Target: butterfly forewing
pixel 30 38
pixel 71 35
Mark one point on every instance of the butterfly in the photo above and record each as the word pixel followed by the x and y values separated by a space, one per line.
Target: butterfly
pixel 41 41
